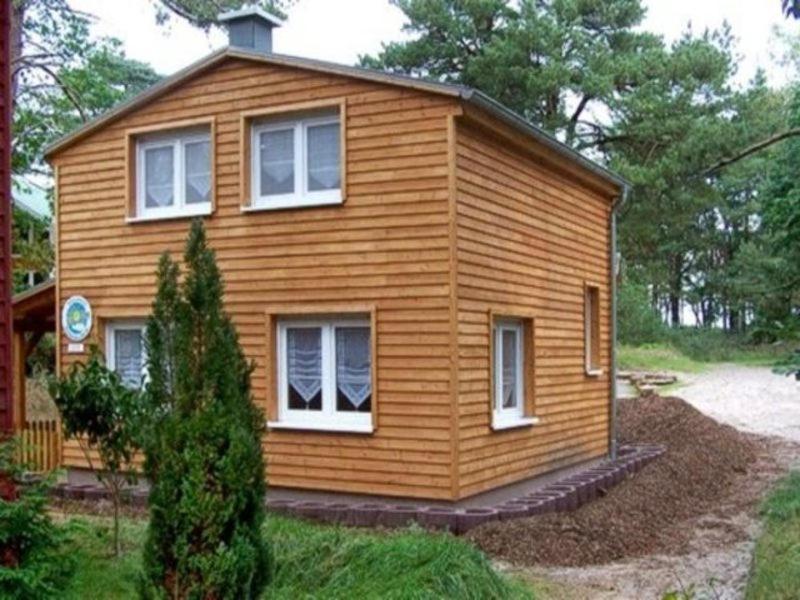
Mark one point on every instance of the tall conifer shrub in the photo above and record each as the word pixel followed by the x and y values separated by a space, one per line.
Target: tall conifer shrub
pixel 203 443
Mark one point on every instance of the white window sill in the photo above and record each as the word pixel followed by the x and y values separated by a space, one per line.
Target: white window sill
pixel 594 372
pixel 508 423
pixel 282 204
pixel 201 212
pixel 329 427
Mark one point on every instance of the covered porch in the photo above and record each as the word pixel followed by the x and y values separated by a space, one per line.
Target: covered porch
pixel 34 316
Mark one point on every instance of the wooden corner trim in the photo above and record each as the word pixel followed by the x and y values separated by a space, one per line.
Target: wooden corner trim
pixel 452 231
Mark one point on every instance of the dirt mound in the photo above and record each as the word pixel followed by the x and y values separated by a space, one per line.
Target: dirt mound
pixel 650 513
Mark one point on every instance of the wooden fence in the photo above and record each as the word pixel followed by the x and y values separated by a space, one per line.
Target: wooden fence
pixel 40 445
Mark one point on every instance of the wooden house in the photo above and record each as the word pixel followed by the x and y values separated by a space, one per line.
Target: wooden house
pixel 422 278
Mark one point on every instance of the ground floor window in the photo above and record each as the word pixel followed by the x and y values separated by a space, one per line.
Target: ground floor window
pixel 512 372
pixel 509 380
pixel 325 374
pixel 125 351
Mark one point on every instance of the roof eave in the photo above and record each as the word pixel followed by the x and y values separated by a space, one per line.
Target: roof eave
pixel 505 114
pixel 140 99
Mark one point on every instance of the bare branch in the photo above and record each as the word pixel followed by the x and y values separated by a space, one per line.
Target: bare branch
pixel 757 147
pixel 67 91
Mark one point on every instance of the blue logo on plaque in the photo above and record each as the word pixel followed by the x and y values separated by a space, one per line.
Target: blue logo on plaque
pixel 76 318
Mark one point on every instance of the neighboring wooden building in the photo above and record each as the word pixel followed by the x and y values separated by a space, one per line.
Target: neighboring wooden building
pixel 6 417
pixel 423 279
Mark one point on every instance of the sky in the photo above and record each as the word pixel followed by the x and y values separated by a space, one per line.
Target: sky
pixel 341 30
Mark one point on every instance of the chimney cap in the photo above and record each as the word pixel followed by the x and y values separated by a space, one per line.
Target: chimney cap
pixel 249 12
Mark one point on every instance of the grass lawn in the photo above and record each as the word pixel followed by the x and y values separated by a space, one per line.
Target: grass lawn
pixel 776 564
pixel 311 561
pixel 695 358
pixel 656 357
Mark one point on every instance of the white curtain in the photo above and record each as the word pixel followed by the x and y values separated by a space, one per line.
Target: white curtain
pixel 304 358
pixel 324 172
pixel 509 369
pixel 353 377
pixel 277 162
pixel 159 177
pixel 128 361
pixel 198 172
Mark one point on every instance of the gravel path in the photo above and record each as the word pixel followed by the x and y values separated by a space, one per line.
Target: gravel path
pixel 751 399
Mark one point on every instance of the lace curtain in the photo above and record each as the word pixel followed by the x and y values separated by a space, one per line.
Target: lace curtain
pixel 277 162
pixel 353 377
pixel 304 358
pixel 509 340
pixel 198 172
pixel 128 361
pixel 324 172
pixel 158 172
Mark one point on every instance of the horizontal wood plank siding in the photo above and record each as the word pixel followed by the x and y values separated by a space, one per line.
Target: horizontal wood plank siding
pixel 387 245
pixel 528 239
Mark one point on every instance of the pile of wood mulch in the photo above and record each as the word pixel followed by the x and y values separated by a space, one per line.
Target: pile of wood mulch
pixel 652 512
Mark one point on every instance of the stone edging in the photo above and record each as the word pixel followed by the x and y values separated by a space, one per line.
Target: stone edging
pixel 564 495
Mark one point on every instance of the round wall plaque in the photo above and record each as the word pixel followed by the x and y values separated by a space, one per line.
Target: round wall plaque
pixel 76 318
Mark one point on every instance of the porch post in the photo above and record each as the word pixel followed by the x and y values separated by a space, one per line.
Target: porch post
pixel 18 396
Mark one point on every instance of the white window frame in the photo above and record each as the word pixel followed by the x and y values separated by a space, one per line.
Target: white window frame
pixel 179 208
pixel 301 195
pixel 112 327
pixel 327 419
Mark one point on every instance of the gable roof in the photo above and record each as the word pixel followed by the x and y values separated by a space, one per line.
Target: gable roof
pixel 467 94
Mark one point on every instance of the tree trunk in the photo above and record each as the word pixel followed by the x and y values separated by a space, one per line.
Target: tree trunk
pixel 675 289
pixel 15 45
pixel 734 320
pixel 117 544
pixel 675 310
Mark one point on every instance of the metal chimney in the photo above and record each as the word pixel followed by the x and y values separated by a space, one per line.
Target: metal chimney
pixel 250 28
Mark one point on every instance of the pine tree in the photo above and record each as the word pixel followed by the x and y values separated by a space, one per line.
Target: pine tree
pixel 203 446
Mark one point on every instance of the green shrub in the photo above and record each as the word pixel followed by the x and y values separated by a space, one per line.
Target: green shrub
pixel 31 562
pixel 203 443
pixel 637 321
pixel 104 416
pixel 715 345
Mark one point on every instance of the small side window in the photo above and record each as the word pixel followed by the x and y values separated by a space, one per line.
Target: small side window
pixel 509 378
pixel 592 329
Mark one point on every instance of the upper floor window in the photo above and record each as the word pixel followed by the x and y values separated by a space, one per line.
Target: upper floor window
pixel 125 352
pixel 296 162
pixel 174 175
